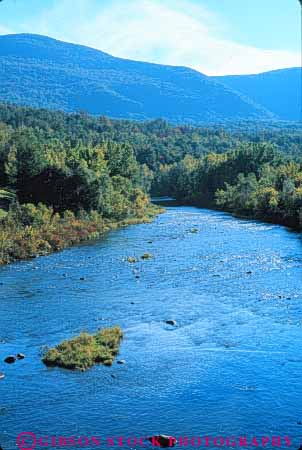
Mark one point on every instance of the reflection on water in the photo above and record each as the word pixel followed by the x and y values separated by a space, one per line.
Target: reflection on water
pixel 231 366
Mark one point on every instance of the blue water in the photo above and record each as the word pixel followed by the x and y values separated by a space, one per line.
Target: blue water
pixel 232 366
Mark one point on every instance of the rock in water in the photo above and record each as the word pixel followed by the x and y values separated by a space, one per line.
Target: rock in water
pixel 2 376
pixel 131 259
pixel 171 322
pixel 147 256
pixel 163 441
pixel 20 356
pixel 121 361
pixel 10 359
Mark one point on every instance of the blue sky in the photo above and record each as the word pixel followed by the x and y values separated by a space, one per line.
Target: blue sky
pixel 212 36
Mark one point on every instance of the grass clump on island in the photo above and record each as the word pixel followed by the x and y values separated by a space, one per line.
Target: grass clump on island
pixel 86 350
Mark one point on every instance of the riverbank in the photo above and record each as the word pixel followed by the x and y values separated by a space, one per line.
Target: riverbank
pixel 276 219
pixel 254 180
pixel 33 231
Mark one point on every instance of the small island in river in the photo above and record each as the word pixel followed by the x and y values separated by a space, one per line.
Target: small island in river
pixel 85 350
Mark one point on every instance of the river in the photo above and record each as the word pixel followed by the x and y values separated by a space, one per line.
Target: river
pixel 232 366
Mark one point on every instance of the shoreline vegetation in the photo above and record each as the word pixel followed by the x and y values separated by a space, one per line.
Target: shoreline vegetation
pixel 61 185
pixel 254 181
pixel 84 351
pixel 47 232
pixel 278 219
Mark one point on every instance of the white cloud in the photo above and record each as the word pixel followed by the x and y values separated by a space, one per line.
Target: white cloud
pixel 163 31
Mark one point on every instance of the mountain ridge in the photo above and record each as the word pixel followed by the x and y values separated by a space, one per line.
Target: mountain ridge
pixel 264 87
pixel 43 72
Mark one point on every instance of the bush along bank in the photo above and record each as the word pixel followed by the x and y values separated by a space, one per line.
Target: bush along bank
pixel 29 231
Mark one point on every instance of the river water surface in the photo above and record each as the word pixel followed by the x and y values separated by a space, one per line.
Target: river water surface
pixel 232 366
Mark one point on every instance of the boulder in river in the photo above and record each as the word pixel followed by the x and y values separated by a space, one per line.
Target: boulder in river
pixel 147 256
pixel 121 361
pixel 20 356
pixel 107 362
pixel 132 259
pixel 2 375
pixel 10 359
pixel 171 322
pixel 163 441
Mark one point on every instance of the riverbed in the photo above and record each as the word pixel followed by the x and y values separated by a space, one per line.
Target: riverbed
pixel 231 366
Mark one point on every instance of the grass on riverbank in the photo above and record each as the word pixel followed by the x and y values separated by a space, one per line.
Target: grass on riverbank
pixel 85 350
pixel 32 231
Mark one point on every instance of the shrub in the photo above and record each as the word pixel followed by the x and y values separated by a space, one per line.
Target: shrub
pixel 85 350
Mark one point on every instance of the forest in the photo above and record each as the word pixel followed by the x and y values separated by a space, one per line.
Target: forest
pixel 70 177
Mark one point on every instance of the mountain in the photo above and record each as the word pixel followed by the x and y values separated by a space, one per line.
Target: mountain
pixel 278 90
pixel 43 72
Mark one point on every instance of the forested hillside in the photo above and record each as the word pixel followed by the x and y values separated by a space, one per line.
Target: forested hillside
pixel 278 90
pixel 43 72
